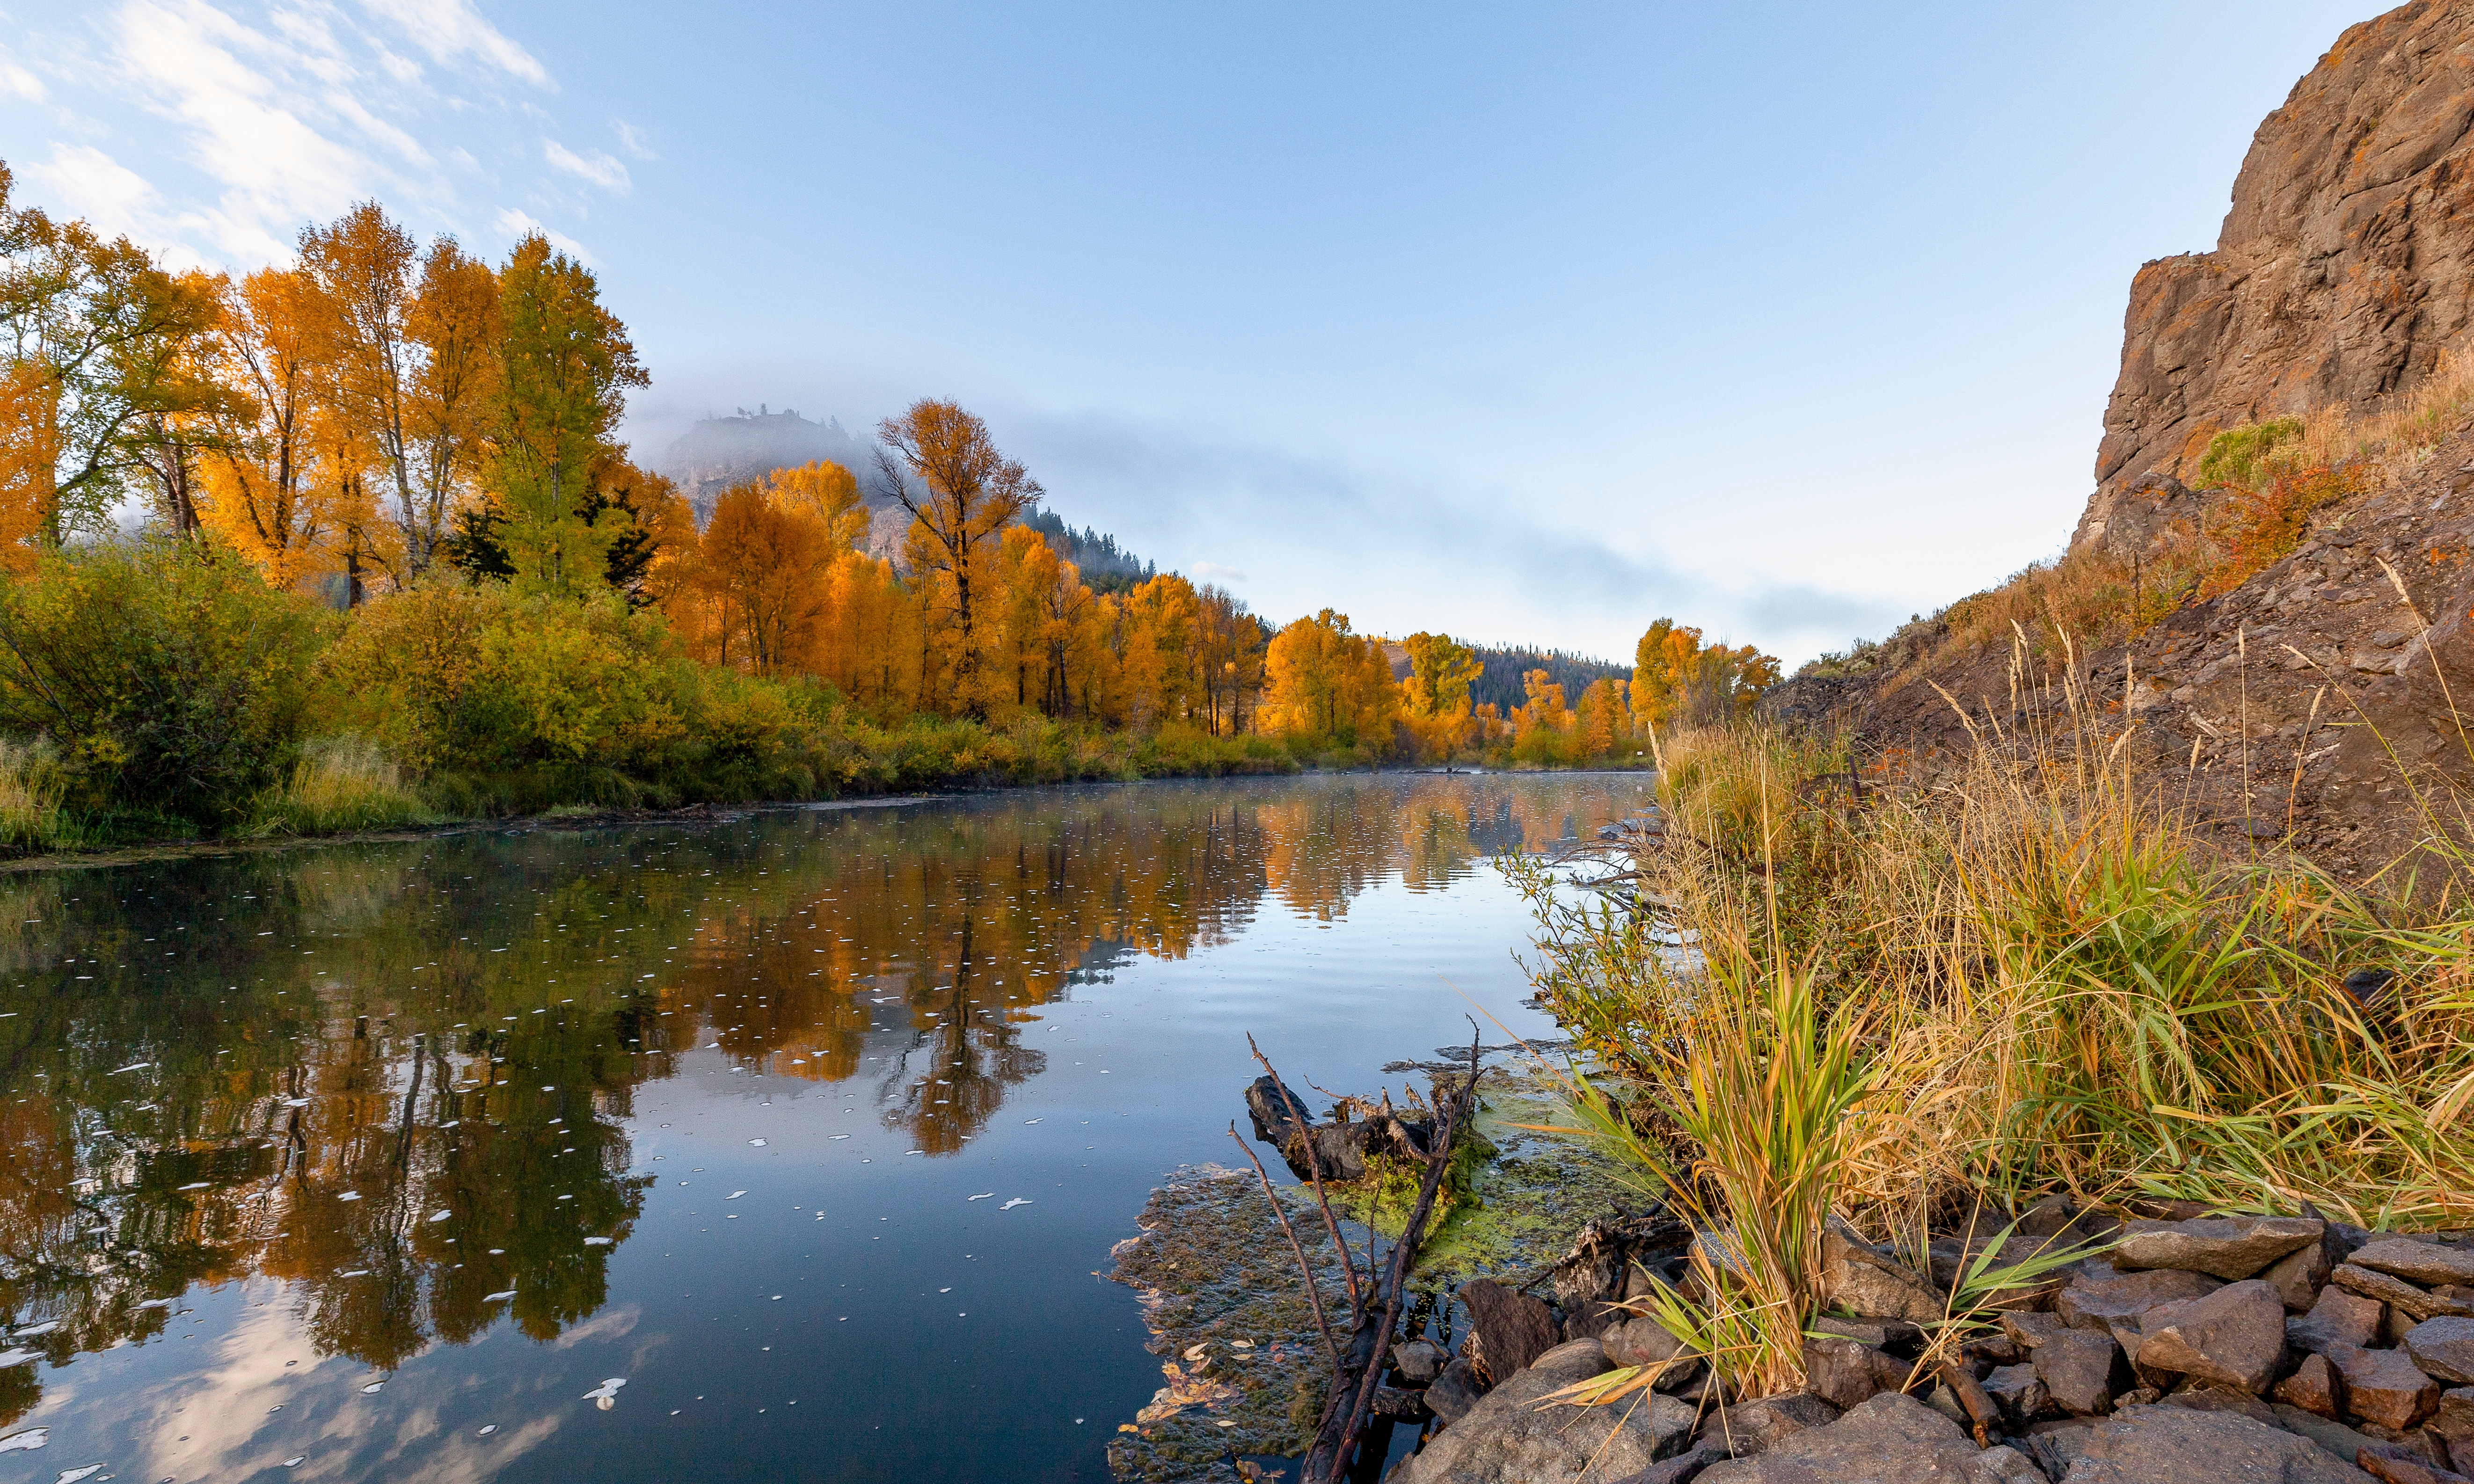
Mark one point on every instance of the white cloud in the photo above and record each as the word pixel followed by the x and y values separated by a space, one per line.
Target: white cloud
pixel 17 81
pixel 191 61
pixel 516 223
pixel 1214 572
pixel 633 139
pixel 450 29
pixel 598 168
pixel 85 181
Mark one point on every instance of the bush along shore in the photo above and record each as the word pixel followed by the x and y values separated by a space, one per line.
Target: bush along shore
pixel 2008 1128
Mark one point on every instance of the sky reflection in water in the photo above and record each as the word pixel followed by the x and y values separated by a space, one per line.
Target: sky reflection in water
pixel 810 1125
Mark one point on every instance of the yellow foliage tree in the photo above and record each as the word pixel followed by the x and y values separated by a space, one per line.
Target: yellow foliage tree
pixel 1329 684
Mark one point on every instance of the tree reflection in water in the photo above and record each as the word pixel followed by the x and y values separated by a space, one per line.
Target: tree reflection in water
pixel 398 1075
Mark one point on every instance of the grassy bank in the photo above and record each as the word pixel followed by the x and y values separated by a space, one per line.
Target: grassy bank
pixel 2033 979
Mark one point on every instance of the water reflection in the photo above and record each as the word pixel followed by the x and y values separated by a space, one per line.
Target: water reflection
pixel 400 1077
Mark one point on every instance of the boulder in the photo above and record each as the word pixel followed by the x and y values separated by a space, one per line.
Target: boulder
pixel 1644 1342
pixel 2390 1469
pixel 2300 1275
pixel 1454 1392
pixel 2454 1424
pixel 2226 1247
pixel 1682 1468
pixel 1861 1280
pixel 2052 1445
pixel 1892 1439
pixel 2317 1387
pixel 2111 1306
pixel 2384 1386
pixel 1879 1334
pixel 2082 1371
pixel 2393 1291
pixel 2234 1336
pixel 2210 1397
pixel 2019 1392
pixel 2419 1262
pixel 2337 1439
pixel 2154 1444
pixel 1511 1329
pixel 2028 1328
pixel 1750 1428
pixel 2338 1317
pixel 1846 1374
pixel 2443 1348
pixel 1508 1438
pixel 1419 1360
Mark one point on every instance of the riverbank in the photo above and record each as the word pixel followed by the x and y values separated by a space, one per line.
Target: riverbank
pixel 2013 1129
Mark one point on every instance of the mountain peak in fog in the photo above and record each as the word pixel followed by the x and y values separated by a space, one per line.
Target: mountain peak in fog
pixel 719 452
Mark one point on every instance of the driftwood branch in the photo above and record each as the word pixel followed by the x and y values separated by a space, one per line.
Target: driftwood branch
pixel 1314 1168
pixel 1361 1376
pixel 1305 1269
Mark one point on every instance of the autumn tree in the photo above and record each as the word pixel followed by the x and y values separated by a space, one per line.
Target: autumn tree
pixel 564 364
pixel 1231 647
pixel 1602 719
pixel 828 494
pixel 1676 678
pixel 260 495
pixel 1440 671
pixel 95 342
pixel 761 560
pixel 1326 682
pixel 939 461
pixel 454 321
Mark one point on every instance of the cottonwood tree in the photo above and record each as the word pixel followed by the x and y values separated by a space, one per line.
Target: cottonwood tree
pixel 94 341
pixel 939 461
pixel 566 362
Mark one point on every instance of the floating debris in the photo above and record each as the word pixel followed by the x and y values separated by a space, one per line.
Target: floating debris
pixel 295 1102
pixel 989 1195
pixel 734 1195
pixel 296 1460
pixel 605 1394
pixel 155 1303
pixel 133 1067
pixel 838 1136
pixel 1016 1201
pixel 487 1430
pixel 438 1216
pixel 355 1273
pixel 758 1142
pixel 72 1475
pixel 25 1442
pixel 32 1330
pixel 349 1195
pixel 199 1185
pixel 598 1241
pixel 17 1357
pixel 372 1388
pixel 493 1298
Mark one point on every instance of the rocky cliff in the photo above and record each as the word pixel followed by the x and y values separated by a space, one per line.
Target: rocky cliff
pixel 2325 702
pixel 2344 272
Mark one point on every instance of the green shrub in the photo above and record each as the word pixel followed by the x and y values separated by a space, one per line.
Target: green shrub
pixel 2238 457
pixel 167 677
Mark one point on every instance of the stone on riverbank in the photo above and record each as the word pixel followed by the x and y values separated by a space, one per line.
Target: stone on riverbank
pixel 1508 1438
pixel 1892 1439
pixel 2226 1247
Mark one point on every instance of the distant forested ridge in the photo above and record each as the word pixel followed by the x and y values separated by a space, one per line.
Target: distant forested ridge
pixel 1105 566
pixel 1502 681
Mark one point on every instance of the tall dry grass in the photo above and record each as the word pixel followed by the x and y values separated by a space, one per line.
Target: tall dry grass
pixel 341 783
pixel 2035 977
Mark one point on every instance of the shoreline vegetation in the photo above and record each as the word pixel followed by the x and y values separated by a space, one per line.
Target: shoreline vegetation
pixel 350 544
pixel 2037 979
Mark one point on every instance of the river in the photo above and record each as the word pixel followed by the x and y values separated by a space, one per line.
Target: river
pixel 782 1145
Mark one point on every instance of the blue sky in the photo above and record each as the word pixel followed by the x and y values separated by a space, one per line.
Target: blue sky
pixel 1530 324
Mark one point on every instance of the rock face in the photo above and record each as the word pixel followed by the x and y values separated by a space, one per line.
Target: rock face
pixel 1512 1329
pixel 1856 1278
pixel 1509 1439
pixel 2342 273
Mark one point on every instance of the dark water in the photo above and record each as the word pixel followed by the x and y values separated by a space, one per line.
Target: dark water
pixel 371 1162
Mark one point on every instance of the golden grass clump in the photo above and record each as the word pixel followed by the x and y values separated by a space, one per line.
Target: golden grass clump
pixel 30 791
pixel 340 783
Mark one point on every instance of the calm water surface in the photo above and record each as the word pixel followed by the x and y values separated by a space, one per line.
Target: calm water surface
pixel 381 1161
